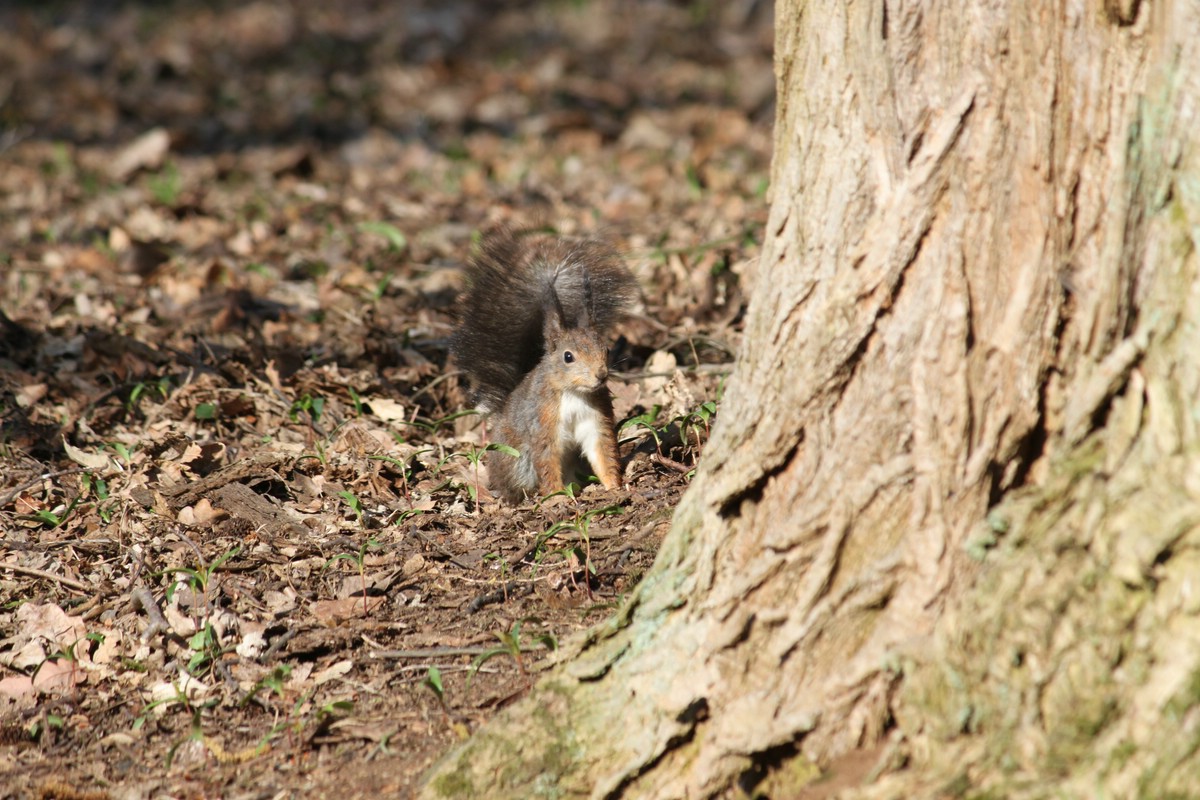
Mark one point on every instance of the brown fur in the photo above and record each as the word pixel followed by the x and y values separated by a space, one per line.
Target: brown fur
pixel 534 336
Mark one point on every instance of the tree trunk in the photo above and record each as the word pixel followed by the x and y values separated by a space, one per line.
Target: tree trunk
pixel 953 501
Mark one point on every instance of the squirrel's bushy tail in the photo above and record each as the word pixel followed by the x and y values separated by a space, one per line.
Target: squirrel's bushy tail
pixel 511 283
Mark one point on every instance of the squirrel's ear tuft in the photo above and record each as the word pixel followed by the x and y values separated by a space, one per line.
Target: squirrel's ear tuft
pixel 553 319
pixel 585 313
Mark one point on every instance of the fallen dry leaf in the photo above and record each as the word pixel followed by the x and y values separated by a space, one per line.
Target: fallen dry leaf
pixel 329 612
pixel 94 461
pixel 58 675
pixel 148 150
pixel 333 672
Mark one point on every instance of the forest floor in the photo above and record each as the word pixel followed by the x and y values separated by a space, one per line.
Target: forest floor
pixel 247 550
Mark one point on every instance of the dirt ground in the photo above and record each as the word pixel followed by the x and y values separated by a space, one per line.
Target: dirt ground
pixel 247 547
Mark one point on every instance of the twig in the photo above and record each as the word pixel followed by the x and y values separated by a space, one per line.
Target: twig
pixel 277 644
pixel 158 623
pixel 434 382
pixel 437 652
pixel 671 463
pixel 90 608
pixel 725 366
pixel 443 552
pixel 70 583
pixel 45 476
pixel 566 536
pixel 500 595
pixel 533 548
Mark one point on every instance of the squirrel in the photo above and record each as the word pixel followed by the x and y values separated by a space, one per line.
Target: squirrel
pixel 533 341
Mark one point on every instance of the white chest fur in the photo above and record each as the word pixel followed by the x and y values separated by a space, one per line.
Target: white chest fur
pixel 578 428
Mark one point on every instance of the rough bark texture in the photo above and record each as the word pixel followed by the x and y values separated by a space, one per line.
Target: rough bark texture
pixel 1071 667
pixel 955 488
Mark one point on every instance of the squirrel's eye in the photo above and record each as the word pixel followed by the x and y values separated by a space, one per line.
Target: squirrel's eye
pixel 568 357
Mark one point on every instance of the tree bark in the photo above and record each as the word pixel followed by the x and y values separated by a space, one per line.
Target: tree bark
pixel 952 504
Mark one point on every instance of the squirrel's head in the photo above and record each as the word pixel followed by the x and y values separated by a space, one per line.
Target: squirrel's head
pixel 578 352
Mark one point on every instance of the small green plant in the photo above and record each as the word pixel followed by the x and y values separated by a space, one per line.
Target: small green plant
pixel 570 491
pixel 311 269
pixel 704 414
pixel 332 710
pixel 98 488
pixel 761 184
pixel 647 422
pixel 162 386
pixel 180 698
pixel 356 400
pixel 273 681
pixel 404 466
pixel 89 181
pixel 195 734
pixel 59 162
pixel 56 517
pixel 204 644
pixel 48 721
pixel 313 406
pixel 71 656
pixel 122 452
pixel 701 11
pixel 206 649
pixel 434 425
pixel 695 421
pixel 660 253
pixel 407 513
pixel 694 182
pixel 504 568
pixel 381 287
pixel 299 715
pixel 166 185
pixel 359 560
pixel 433 682
pixel 319 455
pixel 94 486
pixel 475 456
pixel 395 238
pixel 200 578
pixel 206 411
pixel 581 525
pixel 50 518
pixel 354 503
pixel 510 645
pixel 298 720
